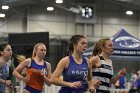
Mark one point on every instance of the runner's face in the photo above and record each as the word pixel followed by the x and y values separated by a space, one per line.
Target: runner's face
pixel 41 51
pixel 108 48
pixel 7 52
pixel 81 46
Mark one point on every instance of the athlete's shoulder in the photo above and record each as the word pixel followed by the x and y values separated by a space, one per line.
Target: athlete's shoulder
pixel 47 63
pixel 94 58
pixel 1 63
pixel 27 62
pixel 64 61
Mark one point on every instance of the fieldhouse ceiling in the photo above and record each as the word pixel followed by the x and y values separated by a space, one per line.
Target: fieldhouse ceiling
pixel 68 3
pixel 18 5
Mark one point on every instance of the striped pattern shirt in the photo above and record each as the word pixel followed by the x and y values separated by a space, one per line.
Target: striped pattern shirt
pixel 103 73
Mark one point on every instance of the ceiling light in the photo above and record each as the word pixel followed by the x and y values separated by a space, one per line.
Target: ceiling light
pixel 50 8
pixel 59 1
pixel 129 12
pixel 87 12
pixel 5 7
pixel 2 15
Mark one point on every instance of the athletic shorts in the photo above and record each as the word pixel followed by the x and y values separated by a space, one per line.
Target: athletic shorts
pixel 32 90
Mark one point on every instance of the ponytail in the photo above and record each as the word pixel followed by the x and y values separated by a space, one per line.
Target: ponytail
pixel 95 49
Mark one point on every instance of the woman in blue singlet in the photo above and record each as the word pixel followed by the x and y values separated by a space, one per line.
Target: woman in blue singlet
pixel 38 71
pixel 76 70
pixel 5 56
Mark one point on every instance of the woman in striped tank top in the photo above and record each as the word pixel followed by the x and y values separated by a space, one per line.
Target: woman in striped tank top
pixel 102 65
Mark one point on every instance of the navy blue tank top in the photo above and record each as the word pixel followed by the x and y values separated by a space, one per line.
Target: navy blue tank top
pixel 75 72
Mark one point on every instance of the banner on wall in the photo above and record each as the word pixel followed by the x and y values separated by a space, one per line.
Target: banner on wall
pixel 124 44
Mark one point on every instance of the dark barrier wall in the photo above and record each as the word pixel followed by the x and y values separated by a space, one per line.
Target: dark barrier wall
pixel 58 49
pixel 23 43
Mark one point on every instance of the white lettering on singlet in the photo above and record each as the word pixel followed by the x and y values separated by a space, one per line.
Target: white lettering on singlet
pixel 77 72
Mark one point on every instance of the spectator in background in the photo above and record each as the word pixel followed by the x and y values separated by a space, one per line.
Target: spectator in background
pixel 20 59
pixel 38 71
pixel 138 80
pixel 138 85
pixel 122 82
pixel 138 73
pixel 5 56
pixel 133 80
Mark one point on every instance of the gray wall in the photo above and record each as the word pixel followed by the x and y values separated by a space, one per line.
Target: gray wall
pixel 108 20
